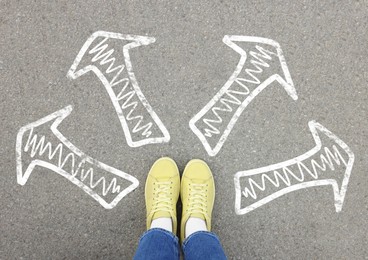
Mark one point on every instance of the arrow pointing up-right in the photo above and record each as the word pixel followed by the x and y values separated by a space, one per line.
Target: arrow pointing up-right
pixel 258 53
pixel 261 63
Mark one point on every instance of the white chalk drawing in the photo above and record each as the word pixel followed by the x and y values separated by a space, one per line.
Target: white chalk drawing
pixel 64 158
pixel 135 113
pixel 317 167
pixel 252 75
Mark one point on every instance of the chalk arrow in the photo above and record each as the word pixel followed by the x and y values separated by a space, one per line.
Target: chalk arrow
pixel 329 163
pixel 107 55
pixel 261 63
pixel 53 151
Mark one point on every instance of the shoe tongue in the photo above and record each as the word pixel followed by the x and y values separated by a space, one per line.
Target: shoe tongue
pixel 165 179
pixel 199 181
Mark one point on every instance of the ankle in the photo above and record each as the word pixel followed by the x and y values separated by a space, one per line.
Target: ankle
pixel 194 225
pixel 164 223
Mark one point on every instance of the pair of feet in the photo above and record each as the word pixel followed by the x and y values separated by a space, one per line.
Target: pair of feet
pixel 196 189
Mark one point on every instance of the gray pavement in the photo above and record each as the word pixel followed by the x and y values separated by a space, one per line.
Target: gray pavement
pixel 325 47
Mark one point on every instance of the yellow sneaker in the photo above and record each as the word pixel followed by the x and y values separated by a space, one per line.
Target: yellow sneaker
pixel 197 193
pixel 162 191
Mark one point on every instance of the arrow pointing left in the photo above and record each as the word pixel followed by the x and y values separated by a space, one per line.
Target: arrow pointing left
pixel 51 150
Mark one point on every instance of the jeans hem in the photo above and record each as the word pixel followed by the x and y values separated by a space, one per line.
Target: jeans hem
pixel 171 234
pixel 187 240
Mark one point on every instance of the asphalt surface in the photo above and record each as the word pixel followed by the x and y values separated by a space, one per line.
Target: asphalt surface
pixel 325 48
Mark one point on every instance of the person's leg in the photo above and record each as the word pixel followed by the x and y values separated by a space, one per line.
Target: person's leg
pixel 161 195
pixel 157 243
pixel 203 245
pixel 198 195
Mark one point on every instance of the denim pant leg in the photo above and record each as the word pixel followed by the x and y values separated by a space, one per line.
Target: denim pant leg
pixel 157 243
pixel 203 245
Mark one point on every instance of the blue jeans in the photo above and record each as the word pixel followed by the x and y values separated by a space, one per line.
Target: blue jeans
pixel 158 243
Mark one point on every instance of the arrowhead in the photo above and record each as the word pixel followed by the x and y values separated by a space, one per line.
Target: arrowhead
pixel 98 45
pixel 54 119
pixel 311 169
pixel 95 178
pixel 257 54
pixel 324 138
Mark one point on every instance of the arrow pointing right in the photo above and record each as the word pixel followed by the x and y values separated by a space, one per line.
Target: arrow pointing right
pixel 53 151
pixel 107 55
pixel 252 75
pixel 317 167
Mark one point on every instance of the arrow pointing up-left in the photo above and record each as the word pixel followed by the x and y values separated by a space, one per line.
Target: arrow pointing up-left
pixel 53 151
pixel 107 55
